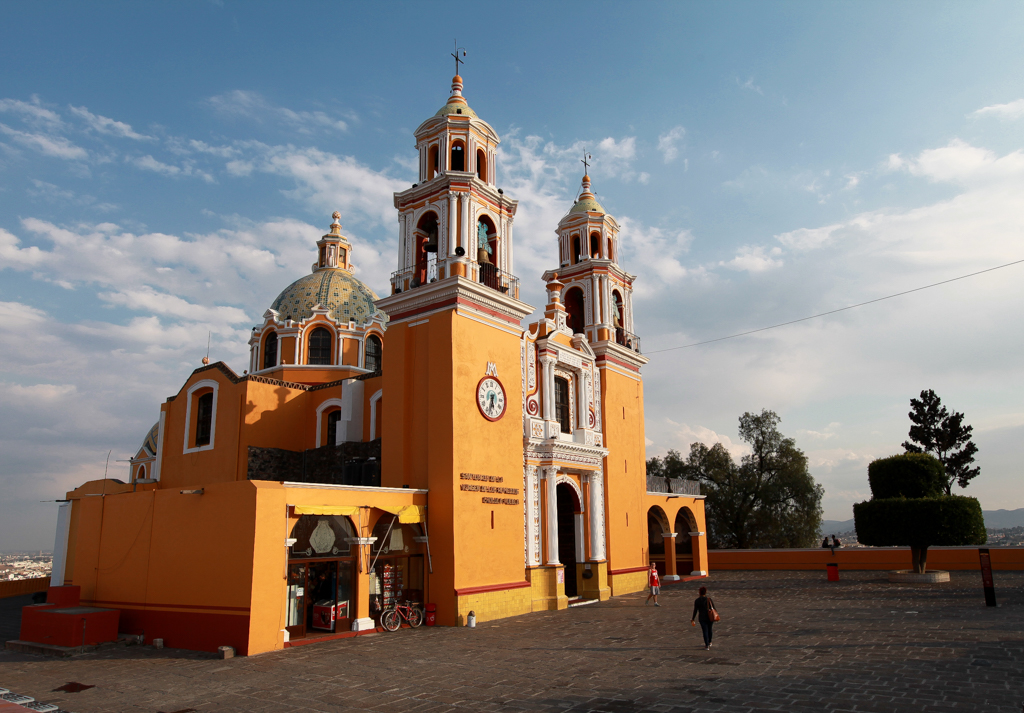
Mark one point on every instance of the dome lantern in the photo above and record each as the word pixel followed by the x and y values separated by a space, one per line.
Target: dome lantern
pixel 334 249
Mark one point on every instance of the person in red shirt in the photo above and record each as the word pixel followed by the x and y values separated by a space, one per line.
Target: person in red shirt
pixel 655 583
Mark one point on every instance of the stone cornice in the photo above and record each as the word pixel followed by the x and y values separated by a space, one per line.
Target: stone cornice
pixel 449 291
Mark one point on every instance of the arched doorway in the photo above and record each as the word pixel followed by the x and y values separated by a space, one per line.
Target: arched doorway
pixel 570 516
pixel 321 576
pixel 425 248
pixel 657 525
pixel 685 524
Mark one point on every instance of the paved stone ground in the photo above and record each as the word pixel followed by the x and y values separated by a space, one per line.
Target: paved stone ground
pixel 788 641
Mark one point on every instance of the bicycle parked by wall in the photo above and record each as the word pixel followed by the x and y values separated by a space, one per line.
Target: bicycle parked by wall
pixel 391 618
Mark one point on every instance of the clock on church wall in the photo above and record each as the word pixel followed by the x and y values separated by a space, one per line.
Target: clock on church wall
pixel 490 398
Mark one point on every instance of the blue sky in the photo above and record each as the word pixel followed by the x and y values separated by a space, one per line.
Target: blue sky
pixel 166 168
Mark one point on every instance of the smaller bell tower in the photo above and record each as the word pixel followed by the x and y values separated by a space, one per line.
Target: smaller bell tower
pixel 598 293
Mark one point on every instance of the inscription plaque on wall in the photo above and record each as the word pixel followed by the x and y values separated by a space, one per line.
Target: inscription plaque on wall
pixel 496 489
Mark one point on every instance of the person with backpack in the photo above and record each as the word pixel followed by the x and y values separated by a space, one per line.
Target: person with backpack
pixel 704 609
pixel 655 584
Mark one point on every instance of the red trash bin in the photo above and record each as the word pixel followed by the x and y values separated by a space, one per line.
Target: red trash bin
pixel 833 571
pixel 431 612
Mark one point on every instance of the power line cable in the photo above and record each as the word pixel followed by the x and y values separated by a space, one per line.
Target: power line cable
pixel 841 309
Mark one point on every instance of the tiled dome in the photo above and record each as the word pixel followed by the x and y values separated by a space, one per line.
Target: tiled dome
pixel 346 297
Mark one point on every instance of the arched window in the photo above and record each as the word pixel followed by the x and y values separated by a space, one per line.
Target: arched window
pixel 574 309
pixel 270 351
pixel 481 165
pixel 432 162
pixel 562 404
pixel 611 249
pixel 458 156
pixel 575 257
pixel 595 245
pixel 204 419
pixel 426 245
pixel 141 475
pixel 486 241
pixel 332 427
pixel 617 314
pixel 319 347
pixel 374 352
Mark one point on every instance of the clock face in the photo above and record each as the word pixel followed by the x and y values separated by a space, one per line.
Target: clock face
pixel 490 397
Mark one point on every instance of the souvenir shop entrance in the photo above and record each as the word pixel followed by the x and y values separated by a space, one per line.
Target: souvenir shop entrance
pixel 396 565
pixel 321 576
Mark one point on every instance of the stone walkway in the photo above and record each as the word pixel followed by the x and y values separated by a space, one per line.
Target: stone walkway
pixel 788 641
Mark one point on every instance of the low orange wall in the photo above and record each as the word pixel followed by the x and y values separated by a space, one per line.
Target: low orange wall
pixel 17 587
pixel 948 558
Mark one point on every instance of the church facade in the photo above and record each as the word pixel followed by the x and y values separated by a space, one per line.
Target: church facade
pixel 422 446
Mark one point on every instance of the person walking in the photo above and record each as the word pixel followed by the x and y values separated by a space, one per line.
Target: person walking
pixel 702 608
pixel 655 583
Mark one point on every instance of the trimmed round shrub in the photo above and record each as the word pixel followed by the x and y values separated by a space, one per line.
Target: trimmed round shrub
pixel 908 475
pixel 945 521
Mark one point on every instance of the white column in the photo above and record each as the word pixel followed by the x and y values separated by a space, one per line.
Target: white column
pixel 465 233
pixel 547 375
pixel 596 301
pixel 160 446
pixel 582 420
pixel 530 495
pixel 452 221
pixel 597 549
pixel 60 545
pixel 581 555
pixel 551 514
pixel 401 242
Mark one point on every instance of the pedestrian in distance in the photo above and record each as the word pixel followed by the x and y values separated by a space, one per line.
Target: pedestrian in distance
pixel 655 583
pixel 824 543
pixel 836 542
pixel 704 611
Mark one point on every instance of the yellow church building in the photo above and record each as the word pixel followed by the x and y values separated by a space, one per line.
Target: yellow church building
pixel 422 446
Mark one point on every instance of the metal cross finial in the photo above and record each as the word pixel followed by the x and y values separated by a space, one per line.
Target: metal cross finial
pixel 455 54
pixel 585 161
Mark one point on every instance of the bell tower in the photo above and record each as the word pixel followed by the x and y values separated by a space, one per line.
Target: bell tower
pixel 598 293
pixel 454 220
pixel 452 395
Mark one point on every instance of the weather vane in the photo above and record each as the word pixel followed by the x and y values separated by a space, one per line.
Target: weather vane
pixel 585 161
pixel 455 54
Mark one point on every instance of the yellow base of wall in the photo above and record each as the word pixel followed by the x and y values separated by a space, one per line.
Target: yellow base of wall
pixel 494 605
pixel 547 592
pixel 597 586
pixel 627 583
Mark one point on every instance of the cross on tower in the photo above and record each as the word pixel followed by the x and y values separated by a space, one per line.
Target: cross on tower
pixel 586 166
pixel 455 54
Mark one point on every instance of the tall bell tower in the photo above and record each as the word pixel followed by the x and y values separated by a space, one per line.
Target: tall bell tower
pixel 452 394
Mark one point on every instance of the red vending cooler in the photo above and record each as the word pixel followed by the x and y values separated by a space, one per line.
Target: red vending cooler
pixel 324 615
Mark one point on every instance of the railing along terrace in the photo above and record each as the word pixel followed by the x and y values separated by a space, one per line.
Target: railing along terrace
pixel 503 282
pixel 627 339
pixel 486 274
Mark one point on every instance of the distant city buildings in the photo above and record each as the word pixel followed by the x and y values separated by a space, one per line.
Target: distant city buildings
pixel 24 565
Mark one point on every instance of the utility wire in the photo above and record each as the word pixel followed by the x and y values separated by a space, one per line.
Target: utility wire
pixel 841 309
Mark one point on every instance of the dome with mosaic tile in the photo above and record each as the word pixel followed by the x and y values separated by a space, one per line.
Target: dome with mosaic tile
pixel 331 285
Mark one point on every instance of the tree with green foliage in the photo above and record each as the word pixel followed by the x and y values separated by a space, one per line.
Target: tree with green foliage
pixel 945 436
pixel 908 507
pixel 769 499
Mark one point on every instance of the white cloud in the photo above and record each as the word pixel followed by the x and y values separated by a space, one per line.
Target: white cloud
pixel 33 112
pixel 105 125
pixel 807 238
pixel 755 258
pixel 1008 112
pixel 684 435
pixel 252 105
pixel 47 144
pixel 749 84
pixel 668 143
pixel 11 255
pixel 148 163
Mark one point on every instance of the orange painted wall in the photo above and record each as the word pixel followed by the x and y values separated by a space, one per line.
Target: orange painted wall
pixel 625 485
pixel 863 558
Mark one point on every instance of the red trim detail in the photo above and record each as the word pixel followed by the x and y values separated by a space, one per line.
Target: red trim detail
pixel 620 363
pixel 490 588
pixel 481 408
pixel 150 605
pixel 629 570
pixel 457 301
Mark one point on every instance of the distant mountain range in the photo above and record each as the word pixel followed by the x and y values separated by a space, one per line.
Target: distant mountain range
pixel 993 519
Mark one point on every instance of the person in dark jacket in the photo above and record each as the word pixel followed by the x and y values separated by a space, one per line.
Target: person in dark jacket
pixel 702 606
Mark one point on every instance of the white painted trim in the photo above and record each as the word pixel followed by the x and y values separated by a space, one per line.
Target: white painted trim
pixel 60 545
pixel 363 624
pixel 373 412
pixel 575 486
pixel 699 573
pixel 204 384
pixel 319 418
pixel 155 474
pixel 695 534
pixel 416 324
pixel 670 578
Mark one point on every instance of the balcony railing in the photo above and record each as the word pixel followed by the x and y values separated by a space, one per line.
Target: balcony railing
pixel 627 339
pixel 486 274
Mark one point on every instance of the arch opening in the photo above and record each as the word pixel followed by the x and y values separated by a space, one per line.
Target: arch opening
pixel 481 165
pixel 204 419
pixel 685 524
pixel 595 245
pixel 458 158
pixel 574 307
pixel 425 248
pixel 270 351
pixel 570 520
pixel 657 524
pixel 432 162
pixel 575 257
pixel 374 353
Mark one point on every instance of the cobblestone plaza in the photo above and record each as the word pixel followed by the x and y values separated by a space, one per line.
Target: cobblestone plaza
pixel 788 641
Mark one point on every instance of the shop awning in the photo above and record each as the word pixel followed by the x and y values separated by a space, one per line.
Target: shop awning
pixel 326 509
pixel 407 514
